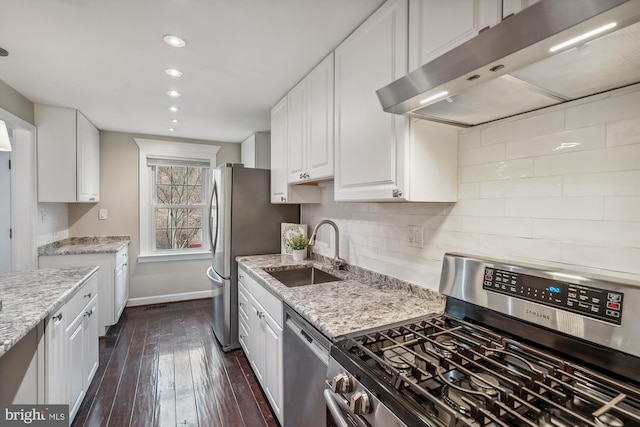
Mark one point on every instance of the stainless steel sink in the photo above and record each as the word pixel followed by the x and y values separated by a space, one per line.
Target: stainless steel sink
pixel 303 276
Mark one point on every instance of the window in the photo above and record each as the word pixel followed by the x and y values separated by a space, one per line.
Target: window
pixel 175 186
pixel 178 203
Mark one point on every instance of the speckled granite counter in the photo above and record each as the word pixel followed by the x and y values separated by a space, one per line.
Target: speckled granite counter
pixel 29 297
pixel 363 300
pixel 85 245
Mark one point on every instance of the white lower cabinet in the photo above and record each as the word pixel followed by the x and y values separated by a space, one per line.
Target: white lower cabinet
pixel 113 280
pixel 71 348
pixel 260 319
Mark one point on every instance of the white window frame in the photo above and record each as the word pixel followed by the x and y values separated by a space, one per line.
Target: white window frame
pixel 177 150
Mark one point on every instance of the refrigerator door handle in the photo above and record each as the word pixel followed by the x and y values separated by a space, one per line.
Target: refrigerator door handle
pixel 213 239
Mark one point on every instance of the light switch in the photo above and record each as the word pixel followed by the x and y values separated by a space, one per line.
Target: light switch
pixel 102 214
pixel 415 236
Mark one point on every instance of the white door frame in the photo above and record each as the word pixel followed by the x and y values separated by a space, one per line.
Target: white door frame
pixel 24 192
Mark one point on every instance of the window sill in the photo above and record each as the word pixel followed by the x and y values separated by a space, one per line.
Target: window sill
pixel 173 257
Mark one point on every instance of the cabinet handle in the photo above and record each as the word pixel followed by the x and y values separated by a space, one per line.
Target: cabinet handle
pixel 241 304
pixel 87 295
pixel 58 317
pixel 260 314
pixel 241 276
pixel 125 264
pixel 283 199
pixel 301 176
pixel 91 199
pixel 242 337
pixel 397 193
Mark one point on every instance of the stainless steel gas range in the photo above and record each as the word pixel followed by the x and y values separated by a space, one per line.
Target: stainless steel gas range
pixel 518 345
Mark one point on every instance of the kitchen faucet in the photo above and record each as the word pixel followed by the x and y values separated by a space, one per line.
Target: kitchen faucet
pixel 337 262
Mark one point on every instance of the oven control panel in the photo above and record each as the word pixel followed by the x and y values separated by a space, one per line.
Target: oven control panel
pixel 588 301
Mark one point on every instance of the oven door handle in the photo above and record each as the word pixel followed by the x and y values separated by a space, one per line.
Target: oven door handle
pixel 336 414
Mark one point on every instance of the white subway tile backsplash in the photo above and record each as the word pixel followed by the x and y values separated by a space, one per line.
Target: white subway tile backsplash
pixel 469 190
pixel 515 247
pixel 605 160
pixel 522 128
pixel 526 193
pixel 516 227
pixel 478 156
pixel 622 209
pixel 527 187
pixel 625 183
pixel 509 169
pixel 625 132
pixel 558 143
pixel 479 207
pixel 469 139
pixel 620 233
pixel 556 207
pixel 611 109
pixel 618 258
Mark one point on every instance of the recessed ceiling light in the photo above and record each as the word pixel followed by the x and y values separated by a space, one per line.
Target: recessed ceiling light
pixel 172 129
pixel 174 120
pixel 174 109
pixel 174 41
pixel 174 93
pixel 173 72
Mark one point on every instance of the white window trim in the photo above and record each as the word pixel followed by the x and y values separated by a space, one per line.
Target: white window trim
pixel 153 147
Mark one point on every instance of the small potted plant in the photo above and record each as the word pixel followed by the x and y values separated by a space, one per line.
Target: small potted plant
pixel 298 243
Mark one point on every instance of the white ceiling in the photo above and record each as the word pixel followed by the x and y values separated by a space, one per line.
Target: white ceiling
pixel 107 58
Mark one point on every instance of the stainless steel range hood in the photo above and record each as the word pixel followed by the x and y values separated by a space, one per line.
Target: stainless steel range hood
pixel 509 69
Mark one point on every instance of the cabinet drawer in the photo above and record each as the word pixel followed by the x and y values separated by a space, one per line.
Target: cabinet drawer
pixel 122 255
pixel 270 302
pixel 80 299
pixel 243 303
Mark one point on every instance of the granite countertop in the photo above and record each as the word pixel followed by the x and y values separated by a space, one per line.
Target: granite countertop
pixel 29 297
pixel 362 300
pixel 85 245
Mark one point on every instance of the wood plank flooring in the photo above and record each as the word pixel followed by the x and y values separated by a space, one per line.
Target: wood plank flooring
pixel 162 366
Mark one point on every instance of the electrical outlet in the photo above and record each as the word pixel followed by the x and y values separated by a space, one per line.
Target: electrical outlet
pixel 102 214
pixel 415 236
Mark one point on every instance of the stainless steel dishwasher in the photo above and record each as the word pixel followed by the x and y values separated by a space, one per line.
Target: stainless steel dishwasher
pixel 305 361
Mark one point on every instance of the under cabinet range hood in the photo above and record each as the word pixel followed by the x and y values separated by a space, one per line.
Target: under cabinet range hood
pixel 545 55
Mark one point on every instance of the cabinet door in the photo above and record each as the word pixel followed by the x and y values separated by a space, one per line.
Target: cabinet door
pixel 296 133
pixel 88 158
pixel 120 290
pixel 273 361
pixel 76 358
pixel 369 143
pixel 438 26
pixel 91 341
pixel 279 173
pixel 56 390
pixel 319 113
pixel 256 340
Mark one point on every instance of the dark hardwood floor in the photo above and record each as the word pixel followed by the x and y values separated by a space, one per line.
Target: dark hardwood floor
pixel 162 366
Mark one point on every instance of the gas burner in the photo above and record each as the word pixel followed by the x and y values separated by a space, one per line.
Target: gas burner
pixel 399 358
pixel 448 345
pixel 453 398
pixel 608 420
pixel 485 383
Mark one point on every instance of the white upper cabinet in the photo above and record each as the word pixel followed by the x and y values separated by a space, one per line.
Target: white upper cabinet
pixel 255 151
pixel 68 156
pixel 281 191
pixel 369 143
pixel 310 125
pixel 438 26
pixel 382 156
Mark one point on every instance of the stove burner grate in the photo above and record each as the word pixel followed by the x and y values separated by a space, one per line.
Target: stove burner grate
pixel 470 374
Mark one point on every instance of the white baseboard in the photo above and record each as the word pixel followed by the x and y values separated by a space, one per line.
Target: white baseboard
pixel 160 299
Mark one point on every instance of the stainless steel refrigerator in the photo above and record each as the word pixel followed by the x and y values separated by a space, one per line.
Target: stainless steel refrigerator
pixel 242 221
